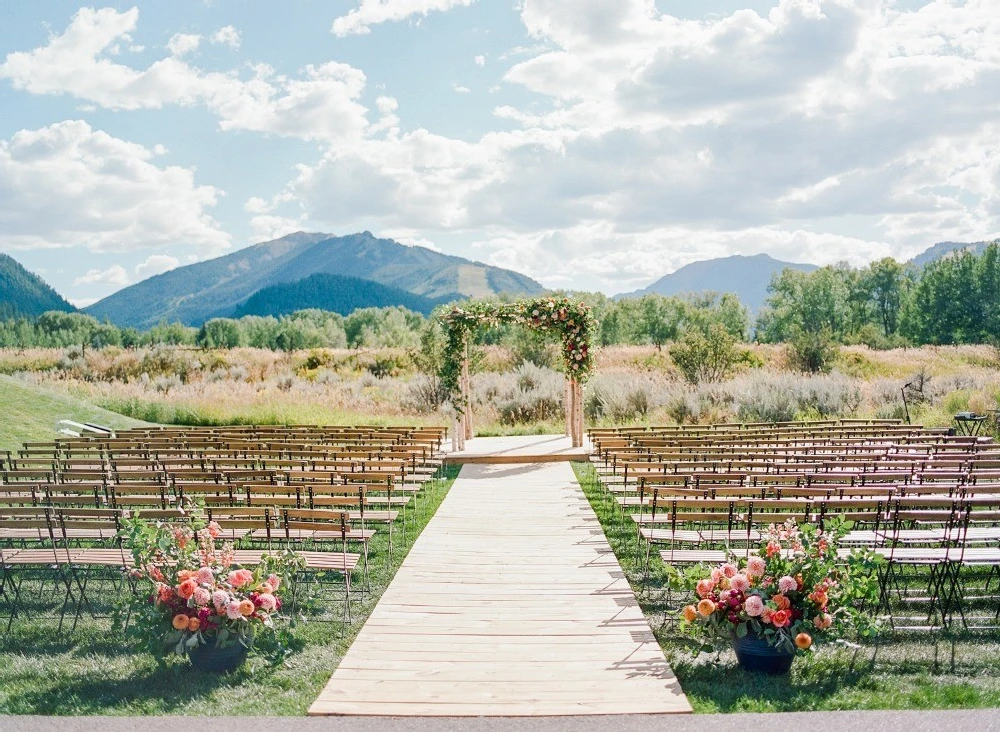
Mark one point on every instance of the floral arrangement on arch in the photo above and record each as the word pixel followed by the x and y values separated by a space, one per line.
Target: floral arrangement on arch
pixel 191 592
pixel 572 322
pixel 795 592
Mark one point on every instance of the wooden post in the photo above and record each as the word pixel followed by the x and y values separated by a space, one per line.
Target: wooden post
pixel 467 395
pixel 576 432
pixel 568 406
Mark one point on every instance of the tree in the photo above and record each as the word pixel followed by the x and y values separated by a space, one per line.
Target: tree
pixel 220 333
pixel 660 319
pixel 882 283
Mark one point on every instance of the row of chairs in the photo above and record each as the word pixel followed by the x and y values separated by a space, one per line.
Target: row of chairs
pixel 936 532
pixel 69 530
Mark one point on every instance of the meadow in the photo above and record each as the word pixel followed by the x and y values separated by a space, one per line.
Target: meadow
pixel 632 385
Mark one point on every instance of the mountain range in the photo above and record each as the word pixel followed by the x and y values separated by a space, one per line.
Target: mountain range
pixel 342 274
pixel 747 277
pixel 218 287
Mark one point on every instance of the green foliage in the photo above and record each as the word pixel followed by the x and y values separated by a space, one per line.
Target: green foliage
pixel 333 293
pixel 812 351
pixel 394 327
pixel 706 355
pixel 25 295
pixel 571 322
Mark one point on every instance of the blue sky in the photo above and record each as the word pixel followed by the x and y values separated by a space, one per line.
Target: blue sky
pixel 591 144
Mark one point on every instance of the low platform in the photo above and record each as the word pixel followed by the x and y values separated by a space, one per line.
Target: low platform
pixel 520 449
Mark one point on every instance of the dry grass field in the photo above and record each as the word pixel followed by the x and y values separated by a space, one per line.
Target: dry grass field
pixel 633 384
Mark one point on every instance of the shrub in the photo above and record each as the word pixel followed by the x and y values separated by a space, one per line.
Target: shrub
pixel 812 351
pixel 709 355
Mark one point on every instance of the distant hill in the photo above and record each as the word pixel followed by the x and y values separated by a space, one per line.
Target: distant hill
pixel 946 248
pixel 25 294
pixel 216 288
pixel 746 277
pixel 335 293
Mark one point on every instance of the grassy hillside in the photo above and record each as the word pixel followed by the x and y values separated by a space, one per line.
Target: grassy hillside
pixel 31 413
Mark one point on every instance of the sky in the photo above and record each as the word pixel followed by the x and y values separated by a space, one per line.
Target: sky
pixel 590 144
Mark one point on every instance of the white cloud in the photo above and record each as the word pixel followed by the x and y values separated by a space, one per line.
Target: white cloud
pixel 181 44
pixel 480 60
pixel 155 264
pixel 68 185
pixel 320 105
pixel 459 89
pixel 372 12
pixel 114 275
pixel 227 36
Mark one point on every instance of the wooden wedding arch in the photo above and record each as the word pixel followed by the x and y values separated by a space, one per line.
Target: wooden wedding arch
pixel 571 322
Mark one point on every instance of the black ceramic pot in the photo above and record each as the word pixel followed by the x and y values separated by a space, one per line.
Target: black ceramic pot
pixel 208 657
pixel 756 654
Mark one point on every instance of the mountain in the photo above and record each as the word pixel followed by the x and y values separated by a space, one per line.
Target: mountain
pixel 25 294
pixel 215 288
pixel 946 248
pixel 746 277
pixel 336 293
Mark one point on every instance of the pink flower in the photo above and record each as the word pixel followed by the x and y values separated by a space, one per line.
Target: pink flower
pixel 754 606
pixel 823 621
pixel 233 611
pixel 756 567
pixel 787 584
pixel 705 587
pixel 205 576
pixel 202 596
pixel 214 529
pixel 724 597
pixel 729 570
pixel 267 602
pixel 240 577
pixel 220 598
pixel 740 583
pixel 275 581
pixel 717 574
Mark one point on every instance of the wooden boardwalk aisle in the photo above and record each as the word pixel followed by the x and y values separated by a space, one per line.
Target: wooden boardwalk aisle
pixel 511 603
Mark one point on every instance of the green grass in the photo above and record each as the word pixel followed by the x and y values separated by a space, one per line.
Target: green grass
pixel 913 671
pixel 93 672
pixel 30 413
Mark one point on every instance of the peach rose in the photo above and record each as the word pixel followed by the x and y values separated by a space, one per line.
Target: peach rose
pixel 781 602
pixel 180 622
pixel 246 608
pixel 186 588
pixel 706 607
pixel 823 621
pixel 705 587
pixel 690 613
pixel 193 624
pixel 781 618
pixel 803 641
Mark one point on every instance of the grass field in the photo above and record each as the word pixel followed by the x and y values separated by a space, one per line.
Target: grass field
pixel 30 413
pixel 915 671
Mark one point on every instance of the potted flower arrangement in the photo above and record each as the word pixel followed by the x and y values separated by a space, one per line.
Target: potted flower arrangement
pixel 193 600
pixel 794 593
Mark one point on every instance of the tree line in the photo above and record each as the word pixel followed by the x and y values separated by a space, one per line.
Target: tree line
pixel 955 299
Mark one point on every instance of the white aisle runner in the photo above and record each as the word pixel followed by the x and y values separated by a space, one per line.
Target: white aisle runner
pixel 510 603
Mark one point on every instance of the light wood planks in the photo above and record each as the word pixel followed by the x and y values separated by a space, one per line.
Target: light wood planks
pixel 518 450
pixel 510 603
